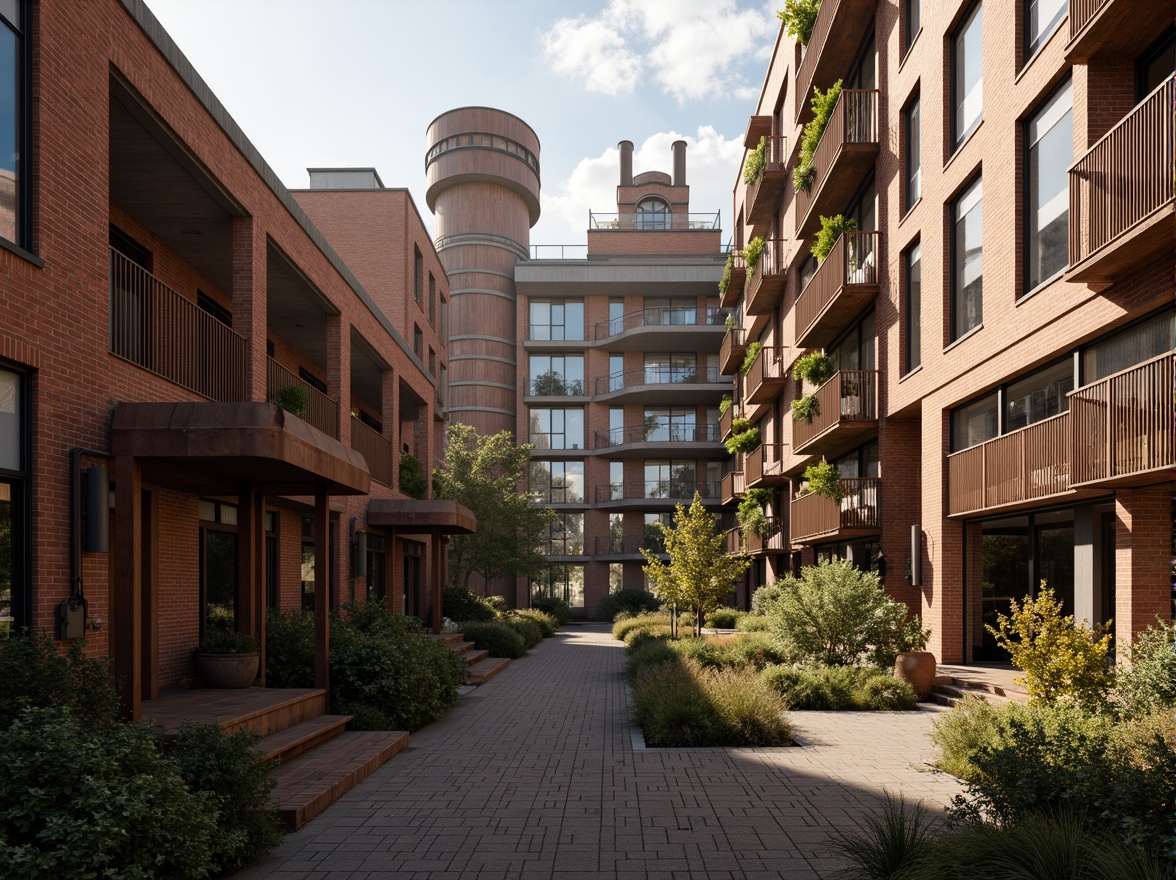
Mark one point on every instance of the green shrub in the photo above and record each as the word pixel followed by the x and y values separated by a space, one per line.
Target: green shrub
pixel 528 629
pixel 34 673
pixel 725 281
pixel 225 766
pixel 743 441
pixel 896 842
pixel 1149 682
pixel 824 478
pixel 497 638
pixel 412 476
pixel 627 602
pixel 764 596
pixel 647 653
pixel 753 351
pixel 626 624
pixel 1061 660
pixel 822 104
pixel 840 688
pixel 752 623
pixel 722 618
pixel 289 649
pixel 83 801
pixel 885 693
pixel 294 399
pixel 816 368
pixel 832 228
pixel 461 603
pixel 557 608
pixel 634 638
pixel 805 407
pixel 753 168
pixel 836 615
pixel 960 733
pixel 751 254
pixel 673 709
pixel 751 712
pixel 799 16
pixel 546 623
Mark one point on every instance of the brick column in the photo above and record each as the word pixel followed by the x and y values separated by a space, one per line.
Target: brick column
pixel 389 405
pixel 339 372
pixel 1143 548
pixel 249 300
pixel 941 596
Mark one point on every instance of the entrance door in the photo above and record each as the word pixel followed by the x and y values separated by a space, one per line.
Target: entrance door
pixel 218 579
pixel 414 599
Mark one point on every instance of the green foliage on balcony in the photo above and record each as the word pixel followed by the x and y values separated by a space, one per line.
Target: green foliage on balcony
pixel 805 407
pixel 725 404
pixel 743 439
pixel 753 351
pixel 816 369
pixel 751 253
pixel 831 229
pixel 753 168
pixel 294 399
pixel 824 478
pixel 750 512
pixel 725 281
pixel 799 17
pixel 822 106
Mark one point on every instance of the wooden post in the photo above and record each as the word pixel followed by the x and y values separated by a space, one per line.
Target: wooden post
pixel 322 581
pixel 435 553
pixel 126 611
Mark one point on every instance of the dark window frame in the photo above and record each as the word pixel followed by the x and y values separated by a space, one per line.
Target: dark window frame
pixel 1027 285
pixel 1028 47
pixel 417 266
pixel 23 99
pixel 20 490
pixel 914 103
pixel 910 364
pixel 954 257
pixel 959 138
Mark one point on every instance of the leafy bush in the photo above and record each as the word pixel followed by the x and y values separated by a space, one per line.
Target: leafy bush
pixel 764 596
pixel 725 281
pixel 822 105
pixel 626 624
pixel 751 712
pixel 885 693
pixel 1149 682
pixel 836 615
pixel 751 253
pixel 528 629
pixel 753 351
pixel 840 688
pixel 743 441
pixel 497 638
pixel 960 733
pixel 289 649
pixel 412 476
pixel 557 608
pixel 723 618
pixel 548 624
pixel 294 399
pixel 226 767
pixel 824 478
pixel 753 168
pixel 752 623
pixel 750 513
pixel 805 407
pixel 646 653
pixel 1061 660
pixel 34 673
pixel 725 402
pixel 799 16
pixel 832 228
pixel 460 603
pixel 627 602
pixel 815 368
pixel 637 637
pixel 84 801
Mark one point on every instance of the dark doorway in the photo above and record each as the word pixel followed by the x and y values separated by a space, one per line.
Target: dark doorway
pixel 414 600
pixel 218 580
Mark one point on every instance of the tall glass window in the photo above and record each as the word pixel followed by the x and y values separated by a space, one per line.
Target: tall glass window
pixel 1038 396
pixel 557 482
pixel 561 581
pixel 557 428
pixel 911 152
pixel 556 319
pixel 616 480
pixel 557 375
pixel 565 535
pixel 671 424
pixel 912 263
pixel 13 588
pixel 1041 19
pixel 967 275
pixel 968 75
pixel 1050 141
pixel 1132 346
pixel 974 423
pixel 653 214
pixel 12 121
pixel 912 22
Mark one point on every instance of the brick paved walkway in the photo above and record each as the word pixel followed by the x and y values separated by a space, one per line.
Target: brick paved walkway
pixel 535 775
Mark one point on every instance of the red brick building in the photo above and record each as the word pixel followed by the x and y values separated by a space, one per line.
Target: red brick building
pixel 999 314
pixel 160 292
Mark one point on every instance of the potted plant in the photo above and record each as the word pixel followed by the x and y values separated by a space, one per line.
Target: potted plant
pixel 751 254
pixel 744 437
pixel 913 664
pixel 294 400
pixel 228 659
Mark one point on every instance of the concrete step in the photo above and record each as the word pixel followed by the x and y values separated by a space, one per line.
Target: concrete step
pixel 287 744
pixel 473 658
pixel 313 781
pixel 484 670
pixel 948 690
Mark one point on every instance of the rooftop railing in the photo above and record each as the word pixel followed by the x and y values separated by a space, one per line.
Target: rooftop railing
pixel 320 411
pixel 652 221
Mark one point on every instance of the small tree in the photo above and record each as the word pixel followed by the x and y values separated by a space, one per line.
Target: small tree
pixel 484 473
pixel 700 572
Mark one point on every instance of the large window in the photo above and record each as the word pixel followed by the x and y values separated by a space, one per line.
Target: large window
pixel 670 479
pixel 911 23
pixel 1041 19
pixel 913 167
pixel 558 482
pixel 1049 138
pixel 967 275
pixel 1138 343
pixel 562 582
pixel 653 213
pixel 557 428
pixel 557 375
pixel 13 123
pixel 565 535
pixel 1038 396
pixel 557 320
pixel 671 424
pixel 662 369
pixel 975 423
pixel 913 312
pixel 665 310
pixel 13 585
pixel 967 80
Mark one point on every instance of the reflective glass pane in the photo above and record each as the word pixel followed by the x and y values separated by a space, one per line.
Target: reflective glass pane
pixel 10 84
pixel 967 256
pixel 10 428
pixel 1051 150
pixel 968 83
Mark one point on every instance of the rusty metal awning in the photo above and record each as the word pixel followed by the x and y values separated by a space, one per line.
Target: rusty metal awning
pixel 443 517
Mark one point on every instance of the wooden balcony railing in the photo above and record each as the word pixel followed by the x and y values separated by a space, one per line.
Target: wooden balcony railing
pixel 732 487
pixel 1081 12
pixel 841 287
pixel 767 376
pixel 154 327
pixel 849 398
pixel 815 516
pixel 725 420
pixel 1125 425
pixel 773 541
pixel 836 35
pixel 730 296
pixel 1024 465
pixel 764 466
pixel 732 351
pixel 847 150
pixel 375 448
pixel 763 197
pixel 766 283
pixel 322 412
pixel 1124 181
pixel 734 541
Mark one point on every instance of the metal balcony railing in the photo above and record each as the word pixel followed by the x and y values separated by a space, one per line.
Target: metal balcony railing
pixel 841 286
pixel 321 412
pixel 652 221
pixel 630 545
pixel 766 282
pixel 657 433
pixel 375 448
pixel 850 396
pixel 814 516
pixel 681 490
pixel 658 375
pixel 767 376
pixel 765 465
pixel 732 487
pixel 853 127
pixel 661 316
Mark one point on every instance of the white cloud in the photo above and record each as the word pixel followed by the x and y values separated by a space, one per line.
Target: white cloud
pixel 693 49
pixel 712 163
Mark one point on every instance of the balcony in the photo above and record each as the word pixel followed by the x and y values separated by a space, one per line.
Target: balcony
pixel 631 545
pixel 774 541
pixel 766 284
pixel 837 33
pixel 664 384
pixel 663 329
pixel 1124 426
pixel 732 351
pixel 650 441
pixel 655 494
pixel 1113 28
pixel 847 151
pixel 375 448
pixel 766 379
pixel 757 127
pixel 731 489
pixel 725 419
pixel 736 281
pixel 847 412
pixel 763 197
pixel 1012 470
pixel 652 222
pixel 841 287
pixel 764 467
pixel 1122 194
pixel 321 412
pixel 155 328
pixel 815 518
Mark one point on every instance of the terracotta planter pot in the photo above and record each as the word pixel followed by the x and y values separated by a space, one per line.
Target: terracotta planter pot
pixel 916 668
pixel 228 670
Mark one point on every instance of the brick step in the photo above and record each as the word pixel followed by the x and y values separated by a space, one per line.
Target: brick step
pixel 311 782
pixel 948 691
pixel 447 638
pixel 293 741
pixel 461 647
pixel 484 670
pixel 473 658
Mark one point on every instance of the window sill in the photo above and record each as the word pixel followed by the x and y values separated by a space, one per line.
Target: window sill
pixel 909 49
pixel 967 335
pixel 959 149
pixel 1057 276
pixel 27 256
pixel 909 210
pixel 913 372
pixel 1040 49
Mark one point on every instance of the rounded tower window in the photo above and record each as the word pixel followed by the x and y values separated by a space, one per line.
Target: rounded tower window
pixel 653 213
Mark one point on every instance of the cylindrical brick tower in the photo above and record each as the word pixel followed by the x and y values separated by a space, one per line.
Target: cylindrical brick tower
pixel 482 172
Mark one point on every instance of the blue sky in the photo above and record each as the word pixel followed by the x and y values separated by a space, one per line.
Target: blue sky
pixel 356 82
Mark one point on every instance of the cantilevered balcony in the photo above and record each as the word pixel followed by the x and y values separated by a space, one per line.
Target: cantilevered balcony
pixel 814 517
pixel 664 384
pixel 669 328
pixel 732 351
pixel 630 545
pixel 735 282
pixel 847 412
pixel 1122 194
pixel 766 379
pixel 773 540
pixel 320 411
pixel 375 448
pixel 763 197
pixel 159 330
pixel 654 440
pixel 1013 470
pixel 837 34
pixel 731 489
pixel 765 284
pixel 1114 28
pixel 656 494
pixel 1124 426
pixel 734 542
pixel 844 284
pixel 764 466
pixel 844 156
